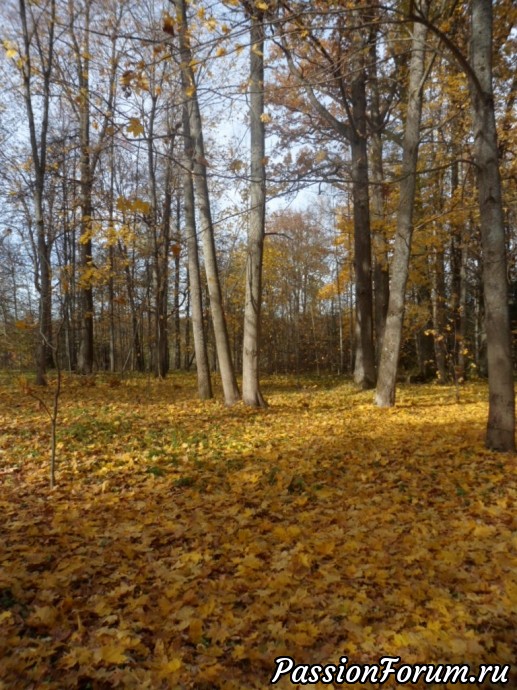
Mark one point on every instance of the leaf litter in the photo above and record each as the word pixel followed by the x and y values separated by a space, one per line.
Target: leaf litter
pixel 187 545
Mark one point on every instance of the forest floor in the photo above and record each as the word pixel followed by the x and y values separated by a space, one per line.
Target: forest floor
pixel 187 545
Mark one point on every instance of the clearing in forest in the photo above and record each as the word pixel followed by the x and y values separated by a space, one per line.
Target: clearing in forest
pixel 187 545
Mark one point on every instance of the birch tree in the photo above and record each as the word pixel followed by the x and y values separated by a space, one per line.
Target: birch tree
pixel 386 382
pixel 204 384
pixel 199 164
pixel 251 393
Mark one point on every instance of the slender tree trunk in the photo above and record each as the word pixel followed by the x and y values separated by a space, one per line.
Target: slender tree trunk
pixel 186 349
pixel 69 303
pixel 89 157
pixel 39 161
pixel 438 305
pixel 177 264
pixel 86 354
pixel 160 231
pixel 228 379
pixel 136 347
pixel 364 367
pixel 204 383
pixel 501 417
pixel 462 309
pixel 386 383
pixel 177 315
pixel 459 259
pixel 251 393
pixel 162 246
pixel 44 352
pixel 111 258
pixel 381 276
pixel 162 289
pixel 424 338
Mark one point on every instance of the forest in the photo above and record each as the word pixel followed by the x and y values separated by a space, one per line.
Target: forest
pixel 258 307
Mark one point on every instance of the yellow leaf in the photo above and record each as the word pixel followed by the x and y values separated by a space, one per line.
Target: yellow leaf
pixel 261 5
pixel 6 617
pixel 43 615
pixel 302 639
pixel 10 50
pixel 168 667
pixel 76 655
pixel 110 654
pixel 325 547
pixel 135 127
pixel 139 205
pixel 265 117
pixel 195 630
pixel 22 325
pixel 168 24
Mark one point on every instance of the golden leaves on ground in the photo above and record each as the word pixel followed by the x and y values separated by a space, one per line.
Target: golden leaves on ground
pixel 187 545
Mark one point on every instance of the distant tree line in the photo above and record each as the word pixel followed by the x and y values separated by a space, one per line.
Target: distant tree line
pixel 150 154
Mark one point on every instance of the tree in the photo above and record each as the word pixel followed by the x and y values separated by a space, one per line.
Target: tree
pixel 340 52
pixel 196 293
pixel 34 38
pixel 381 278
pixel 501 415
pixel 199 164
pixel 86 97
pixel 251 393
pixel 386 382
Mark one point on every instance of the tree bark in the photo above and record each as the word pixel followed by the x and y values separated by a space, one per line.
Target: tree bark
pixel 176 298
pixel 386 383
pixel 204 384
pixel 39 160
pixel 381 275
pixel 222 342
pixel 440 335
pixel 86 354
pixel 364 367
pixel 251 393
pixel 501 416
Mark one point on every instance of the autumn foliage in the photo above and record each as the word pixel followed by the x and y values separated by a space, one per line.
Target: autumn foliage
pixel 187 544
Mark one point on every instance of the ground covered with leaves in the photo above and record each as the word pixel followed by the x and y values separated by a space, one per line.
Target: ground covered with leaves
pixel 187 545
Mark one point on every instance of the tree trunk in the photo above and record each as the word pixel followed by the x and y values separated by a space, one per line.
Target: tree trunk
pixel 381 275
pixel 162 245
pixel 462 309
pixel 440 334
pixel 251 393
pixel 364 367
pixel 85 356
pixel 136 348
pixel 501 416
pixel 44 352
pixel 386 383
pixel 204 384
pixel 111 259
pixel 177 264
pixel 222 342
pixel 39 162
